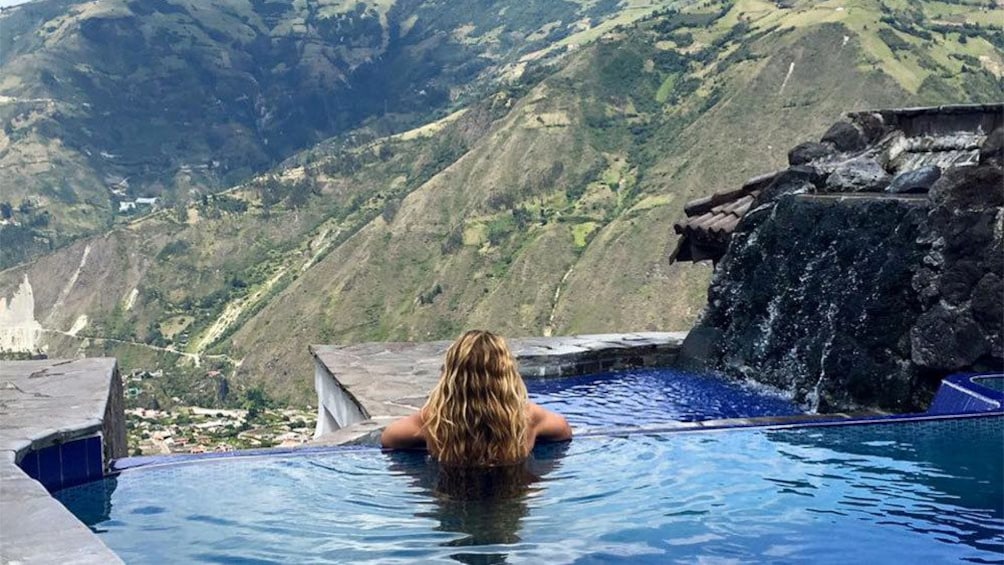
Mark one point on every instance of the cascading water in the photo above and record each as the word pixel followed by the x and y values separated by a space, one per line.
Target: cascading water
pixel 857 280
pixel 823 297
pixel 813 396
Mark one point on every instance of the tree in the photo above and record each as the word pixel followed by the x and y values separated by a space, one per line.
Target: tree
pixel 181 211
pixel 390 210
pixel 255 401
pixel 300 193
pixel 270 192
pixel 522 216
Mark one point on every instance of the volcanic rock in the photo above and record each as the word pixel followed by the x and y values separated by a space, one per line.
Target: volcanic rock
pixel 992 150
pixel 862 174
pixel 915 181
pixel 810 151
pixel 869 301
pixel 944 339
pixel 970 187
pixel 845 136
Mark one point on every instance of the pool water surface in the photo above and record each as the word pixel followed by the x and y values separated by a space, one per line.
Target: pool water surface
pixel 644 397
pixel 878 493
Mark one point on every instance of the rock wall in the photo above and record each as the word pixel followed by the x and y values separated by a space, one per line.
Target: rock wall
pixel 853 296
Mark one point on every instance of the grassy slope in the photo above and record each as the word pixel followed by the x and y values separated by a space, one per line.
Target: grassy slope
pixel 187 270
pixel 598 161
pixel 182 95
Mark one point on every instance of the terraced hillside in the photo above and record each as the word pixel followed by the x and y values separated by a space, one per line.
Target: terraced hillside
pixel 543 205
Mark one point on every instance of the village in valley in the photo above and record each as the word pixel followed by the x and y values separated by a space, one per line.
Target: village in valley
pixel 191 429
pixel 194 429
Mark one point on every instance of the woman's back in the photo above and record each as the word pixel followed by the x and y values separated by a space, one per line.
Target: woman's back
pixel 478 414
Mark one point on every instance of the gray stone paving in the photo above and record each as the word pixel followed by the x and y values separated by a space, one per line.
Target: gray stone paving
pixel 390 380
pixel 43 403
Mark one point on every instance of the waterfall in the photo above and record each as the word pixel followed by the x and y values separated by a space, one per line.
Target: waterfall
pixel 813 396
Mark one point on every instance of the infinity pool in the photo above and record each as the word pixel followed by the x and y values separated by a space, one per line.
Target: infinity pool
pixel 654 396
pixel 878 493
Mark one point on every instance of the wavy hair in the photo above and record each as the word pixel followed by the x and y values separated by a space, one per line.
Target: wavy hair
pixel 476 414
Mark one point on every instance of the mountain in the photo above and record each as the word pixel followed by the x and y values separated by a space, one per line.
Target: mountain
pixel 542 203
pixel 104 102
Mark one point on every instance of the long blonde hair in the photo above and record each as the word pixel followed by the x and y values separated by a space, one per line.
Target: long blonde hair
pixel 476 415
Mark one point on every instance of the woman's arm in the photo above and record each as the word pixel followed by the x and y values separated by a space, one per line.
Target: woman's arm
pixel 548 425
pixel 405 433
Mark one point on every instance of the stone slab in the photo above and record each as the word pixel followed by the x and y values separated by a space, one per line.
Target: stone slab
pixel 37 529
pixel 52 400
pixel 43 403
pixel 365 432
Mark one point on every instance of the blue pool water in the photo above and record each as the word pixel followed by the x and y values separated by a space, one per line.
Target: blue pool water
pixel 654 396
pixel 928 492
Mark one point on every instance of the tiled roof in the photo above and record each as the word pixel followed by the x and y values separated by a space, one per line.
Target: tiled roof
pixel 711 220
pixel 719 221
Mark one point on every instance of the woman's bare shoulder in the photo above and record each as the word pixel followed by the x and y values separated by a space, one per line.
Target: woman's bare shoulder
pixel 404 433
pixel 548 425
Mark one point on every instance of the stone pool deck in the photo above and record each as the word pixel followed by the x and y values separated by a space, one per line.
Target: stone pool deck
pixel 45 405
pixel 363 387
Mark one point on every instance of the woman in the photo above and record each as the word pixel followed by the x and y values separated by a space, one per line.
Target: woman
pixel 478 415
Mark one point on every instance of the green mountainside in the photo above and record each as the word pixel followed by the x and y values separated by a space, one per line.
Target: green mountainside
pixel 103 102
pixel 543 204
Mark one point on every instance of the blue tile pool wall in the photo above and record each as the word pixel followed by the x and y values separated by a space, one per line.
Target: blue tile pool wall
pixel 66 464
pixel 953 401
pixel 968 393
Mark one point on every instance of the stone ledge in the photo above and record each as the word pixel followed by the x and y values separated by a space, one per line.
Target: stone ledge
pixel 362 387
pixel 44 405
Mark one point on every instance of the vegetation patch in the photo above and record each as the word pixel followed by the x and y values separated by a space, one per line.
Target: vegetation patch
pixel 174 325
pixel 582 233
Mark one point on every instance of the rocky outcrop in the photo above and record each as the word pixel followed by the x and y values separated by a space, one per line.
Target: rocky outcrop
pixel 959 280
pixel 916 181
pixel 19 330
pixel 863 174
pixel 866 273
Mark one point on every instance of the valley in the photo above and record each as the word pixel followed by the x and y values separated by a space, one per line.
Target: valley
pixel 534 196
